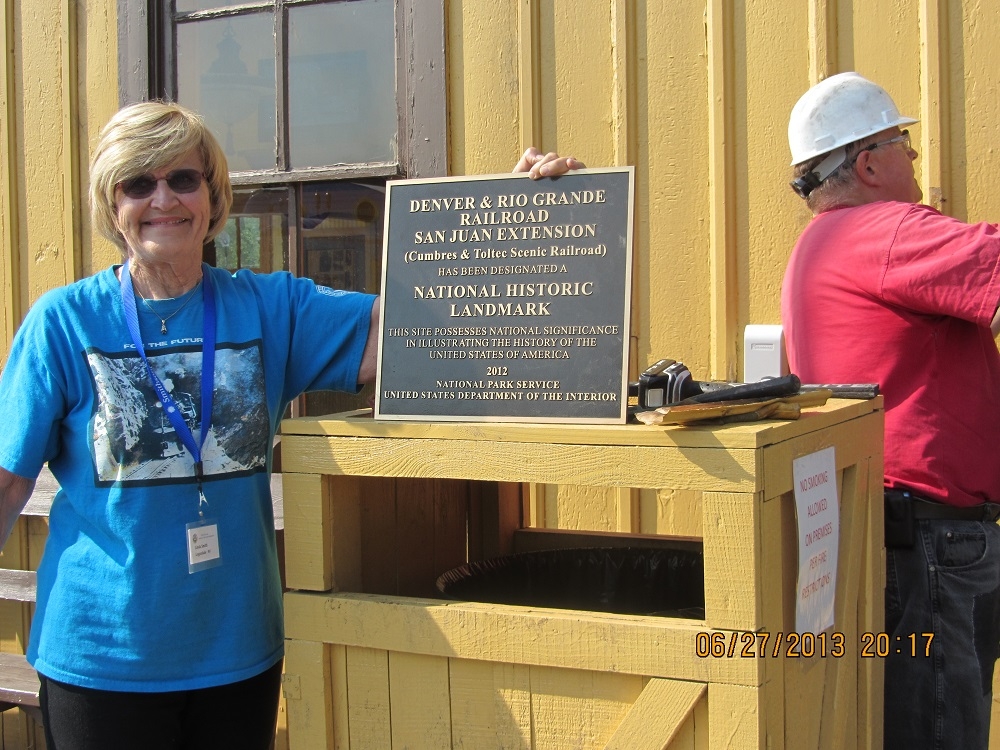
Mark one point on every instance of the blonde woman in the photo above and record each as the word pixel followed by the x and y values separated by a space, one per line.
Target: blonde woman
pixel 153 390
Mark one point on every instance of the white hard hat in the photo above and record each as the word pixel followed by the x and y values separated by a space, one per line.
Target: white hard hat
pixel 837 111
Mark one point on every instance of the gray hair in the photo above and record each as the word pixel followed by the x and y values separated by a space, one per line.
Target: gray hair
pixel 841 180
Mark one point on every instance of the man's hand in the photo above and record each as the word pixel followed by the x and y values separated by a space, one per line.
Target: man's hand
pixel 537 164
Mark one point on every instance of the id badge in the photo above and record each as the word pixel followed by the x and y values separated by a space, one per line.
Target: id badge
pixel 203 545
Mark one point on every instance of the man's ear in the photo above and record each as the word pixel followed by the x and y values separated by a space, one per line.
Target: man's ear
pixel 865 170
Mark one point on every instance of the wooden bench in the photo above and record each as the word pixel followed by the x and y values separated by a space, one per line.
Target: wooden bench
pixel 18 679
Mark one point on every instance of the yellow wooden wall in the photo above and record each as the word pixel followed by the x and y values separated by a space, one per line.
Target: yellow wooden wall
pixel 58 85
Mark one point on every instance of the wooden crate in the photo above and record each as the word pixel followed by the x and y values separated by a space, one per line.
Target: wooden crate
pixel 370 665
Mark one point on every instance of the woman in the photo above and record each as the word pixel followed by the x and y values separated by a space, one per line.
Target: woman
pixel 159 620
pixel 154 390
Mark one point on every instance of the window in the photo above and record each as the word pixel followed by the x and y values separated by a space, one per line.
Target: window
pixel 316 103
pixel 331 66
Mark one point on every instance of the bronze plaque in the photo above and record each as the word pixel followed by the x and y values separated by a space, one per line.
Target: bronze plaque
pixel 506 298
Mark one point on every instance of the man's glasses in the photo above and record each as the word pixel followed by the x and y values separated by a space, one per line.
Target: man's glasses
pixel 903 137
pixel 180 181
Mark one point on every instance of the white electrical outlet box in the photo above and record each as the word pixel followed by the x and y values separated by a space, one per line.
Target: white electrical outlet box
pixel 763 353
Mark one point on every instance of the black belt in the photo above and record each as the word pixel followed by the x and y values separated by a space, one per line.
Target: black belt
pixel 927 509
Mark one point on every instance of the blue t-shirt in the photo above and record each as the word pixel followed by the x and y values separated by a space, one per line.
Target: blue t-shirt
pixel 117 607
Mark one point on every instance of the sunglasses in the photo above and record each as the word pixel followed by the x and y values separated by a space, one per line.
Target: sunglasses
pixel 180 181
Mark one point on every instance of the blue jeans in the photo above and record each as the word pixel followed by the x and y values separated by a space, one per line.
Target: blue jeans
pixel 947 584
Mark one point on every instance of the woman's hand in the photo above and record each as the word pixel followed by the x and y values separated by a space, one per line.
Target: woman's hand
pixel 537 164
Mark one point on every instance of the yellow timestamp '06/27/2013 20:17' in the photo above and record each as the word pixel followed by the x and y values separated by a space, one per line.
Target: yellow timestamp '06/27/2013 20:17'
pixel 747 644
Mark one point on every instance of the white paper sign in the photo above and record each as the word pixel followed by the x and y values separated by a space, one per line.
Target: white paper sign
pixel 818 516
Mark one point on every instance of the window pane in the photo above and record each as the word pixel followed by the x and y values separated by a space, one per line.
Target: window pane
pixel 185 6
pixel 256 235
pixel 341 232
pixel 225 71
pixel 226 249
pixel 342 83
pixel 250 236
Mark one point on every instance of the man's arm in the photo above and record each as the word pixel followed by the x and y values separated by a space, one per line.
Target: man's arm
pixel 995 325
pixel 14 493
pixel 369 360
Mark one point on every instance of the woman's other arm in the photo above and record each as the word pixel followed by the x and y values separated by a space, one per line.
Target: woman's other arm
pixel 14 493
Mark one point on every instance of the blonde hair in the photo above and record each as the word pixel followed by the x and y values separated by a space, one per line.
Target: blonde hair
pixel 147 137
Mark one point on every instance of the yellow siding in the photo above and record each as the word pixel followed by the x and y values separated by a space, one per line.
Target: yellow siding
pixel 58 83
pixel 482 88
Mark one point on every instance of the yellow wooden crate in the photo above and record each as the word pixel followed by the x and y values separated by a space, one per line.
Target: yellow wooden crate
pixel 375 510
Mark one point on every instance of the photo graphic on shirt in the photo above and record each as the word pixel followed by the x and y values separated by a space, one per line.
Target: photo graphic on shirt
pixel 134 440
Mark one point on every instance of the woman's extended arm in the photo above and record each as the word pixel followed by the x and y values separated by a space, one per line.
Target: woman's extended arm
pixel 369 360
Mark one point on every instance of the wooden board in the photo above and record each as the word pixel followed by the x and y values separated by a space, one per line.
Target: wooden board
pixel 662 712
pixel 755 435
pixel 18 682
pixel 706 469
pixel 594 641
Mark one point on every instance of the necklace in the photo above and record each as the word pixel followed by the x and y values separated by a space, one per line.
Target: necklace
pixel 163 321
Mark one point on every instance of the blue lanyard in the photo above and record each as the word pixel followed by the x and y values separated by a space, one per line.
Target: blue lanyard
pixel 207 366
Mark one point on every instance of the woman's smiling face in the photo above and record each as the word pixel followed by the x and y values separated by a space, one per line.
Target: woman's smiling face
pixel 166 227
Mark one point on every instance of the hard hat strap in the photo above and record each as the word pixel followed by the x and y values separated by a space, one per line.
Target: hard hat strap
pixel 831 163
pixel 814 178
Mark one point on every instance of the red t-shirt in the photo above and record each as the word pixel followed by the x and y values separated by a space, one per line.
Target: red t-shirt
pixel 900 295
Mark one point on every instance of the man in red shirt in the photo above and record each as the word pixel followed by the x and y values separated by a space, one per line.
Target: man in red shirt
pixel 881 289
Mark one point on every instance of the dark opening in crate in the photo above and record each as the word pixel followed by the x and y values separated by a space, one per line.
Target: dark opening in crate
pixel 622 580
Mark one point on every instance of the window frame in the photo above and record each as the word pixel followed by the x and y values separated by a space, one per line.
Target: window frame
pixel 145 71
pixel 145 37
